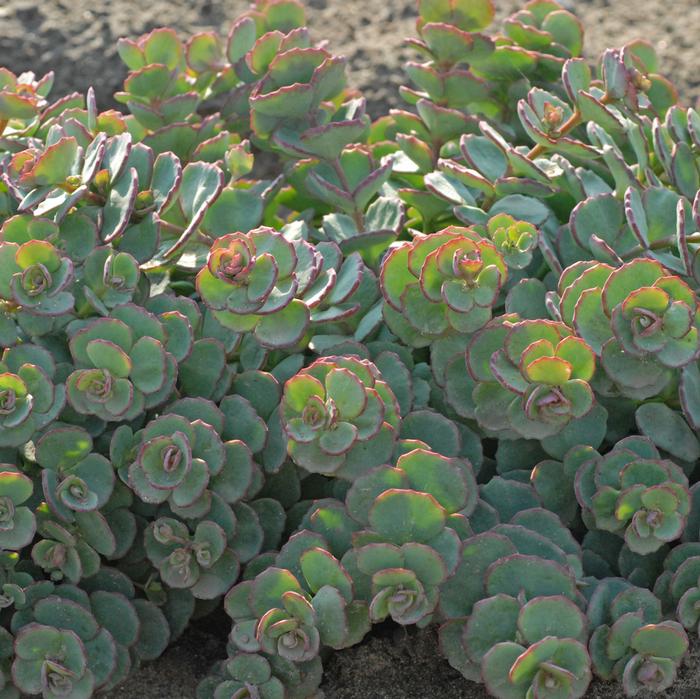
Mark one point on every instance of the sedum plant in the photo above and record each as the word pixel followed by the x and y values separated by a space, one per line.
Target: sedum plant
pixel 438 367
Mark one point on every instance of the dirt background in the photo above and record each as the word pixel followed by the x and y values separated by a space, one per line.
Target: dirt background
pixel 77 39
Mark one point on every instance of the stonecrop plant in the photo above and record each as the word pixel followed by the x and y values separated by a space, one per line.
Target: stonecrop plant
pixel 438 367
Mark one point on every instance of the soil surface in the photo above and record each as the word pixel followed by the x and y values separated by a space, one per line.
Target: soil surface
pixel 77 39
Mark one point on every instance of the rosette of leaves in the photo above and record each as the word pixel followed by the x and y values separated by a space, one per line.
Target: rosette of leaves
pixel 121 365
pixel 71 550
pixel 402 579
pixel 200 562
pixel 532 556
pixel 549 634
pixel 213 469
pixel 551 667
pixel 658 651
pixel 54 175
pixel 415 515
pixel 51 662
pixel 157 91
pixel 630 642
pixel 296 84
pixel 13 583
pixel 451 39
pixel 74 478
pixel 514 240
pixel 109 278
pixel 270 676
pixel 679 585
pixel 640 320
pixel 115 630
pixel 29 398
pixel 450 36
pixel 251 281
pixel 531 376
pixel 34 277
pixel 21 99
pixel 175 461
pixel 635 494
pixel 169 79
pixel 75 236
pixel 43 167
pixel 442 284
pixel 17 523
pixel 546 27
pixel 340 417
pixel 520 622
pixel 253 42
pixel 291 618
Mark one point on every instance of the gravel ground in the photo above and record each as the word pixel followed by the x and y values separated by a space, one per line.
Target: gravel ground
pixel 77 39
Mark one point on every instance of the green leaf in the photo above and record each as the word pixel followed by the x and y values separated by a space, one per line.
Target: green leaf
pixel 322 568
pixel 269 587
pixel 107 355
pixel 551 616
pixel 530 575
pixel 347 391
pixel 55 164
pixel 467 15
pixel 149 369
pixel 441 477
pixel 406 515
pixel 284 328
pixel 201 185
pixel 665 640
pixel 668 430
pixel 15 486
pixel 495 670
pixel 241 39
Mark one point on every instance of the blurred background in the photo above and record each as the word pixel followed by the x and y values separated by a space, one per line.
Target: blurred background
pixel 77 38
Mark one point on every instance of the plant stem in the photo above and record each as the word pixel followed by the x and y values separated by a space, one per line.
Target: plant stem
pixel 356 214
pixel 569 125
pixel 661 244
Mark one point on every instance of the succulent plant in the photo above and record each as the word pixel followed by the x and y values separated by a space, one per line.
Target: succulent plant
pixel 441 284
pixel 442 367
pixel 643 654
pixel 271 676
pixel 251 283
pixel 51 662
pixel 35 277
pixel 515 240
pixel 200 562
pixel 17 522
pixel 532 377
pixel 29 398
pixel 630 491
pixel 276 614
pixel 551 667
pixel 339 416
pixel 74 478
pixel 121 366
pixel 79 641
pixel 635 316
